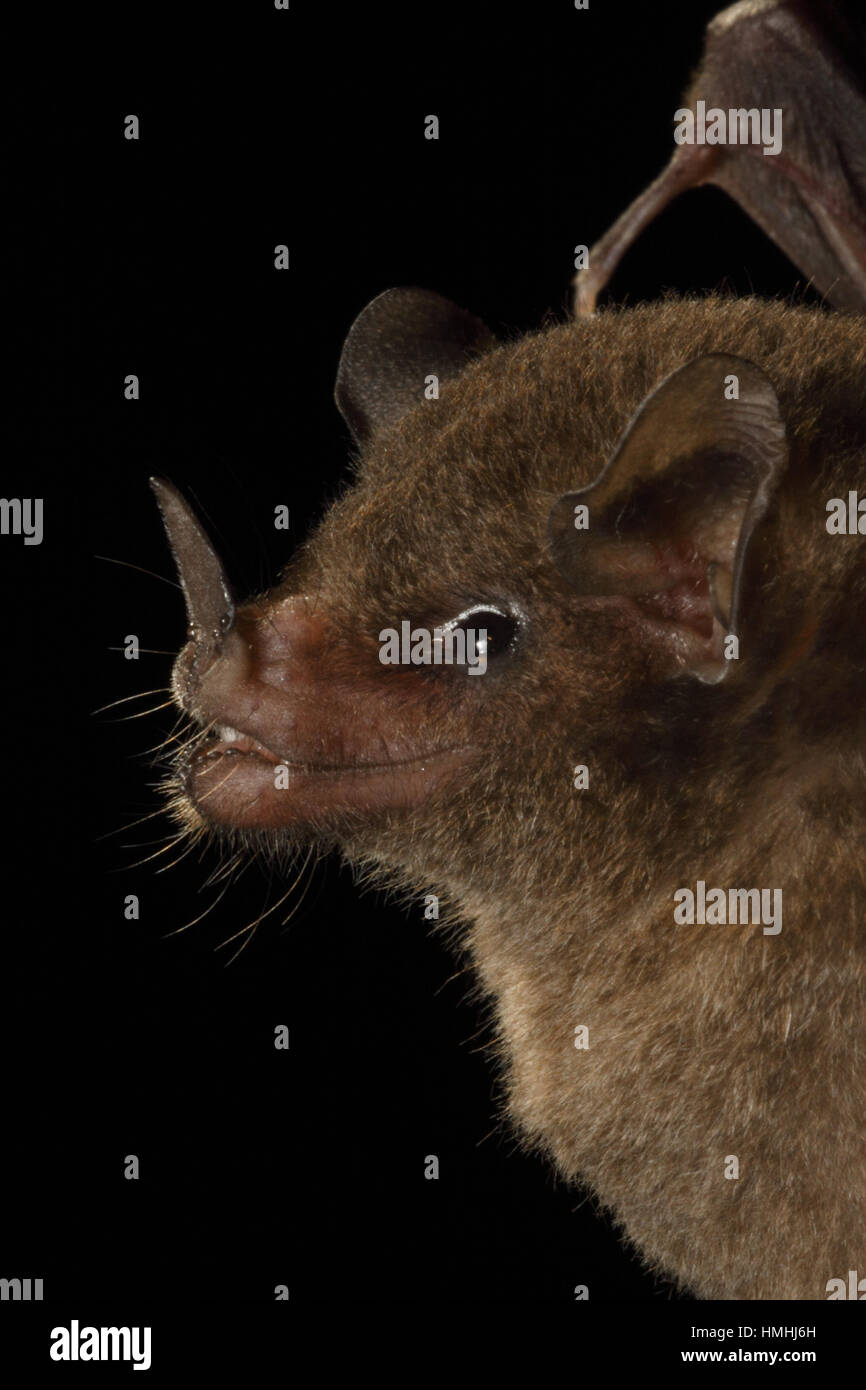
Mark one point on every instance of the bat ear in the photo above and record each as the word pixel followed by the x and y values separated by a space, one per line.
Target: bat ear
pixel 667 524
pixel 402 337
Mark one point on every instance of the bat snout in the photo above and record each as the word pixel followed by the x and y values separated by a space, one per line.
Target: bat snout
pixel 295 730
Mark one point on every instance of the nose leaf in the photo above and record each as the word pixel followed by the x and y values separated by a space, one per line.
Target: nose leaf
pixel 209 603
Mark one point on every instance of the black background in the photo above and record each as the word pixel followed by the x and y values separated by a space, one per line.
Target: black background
pixel 156 258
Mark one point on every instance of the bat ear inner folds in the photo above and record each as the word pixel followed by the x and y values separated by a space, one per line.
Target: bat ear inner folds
pixel 668 522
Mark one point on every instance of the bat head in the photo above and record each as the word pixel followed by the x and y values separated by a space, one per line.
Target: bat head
pixel 539 567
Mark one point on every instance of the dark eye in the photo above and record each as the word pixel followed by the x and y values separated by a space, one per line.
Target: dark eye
pixel 486 625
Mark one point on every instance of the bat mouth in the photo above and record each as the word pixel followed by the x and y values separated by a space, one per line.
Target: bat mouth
pixel 226 740
pixel 235 780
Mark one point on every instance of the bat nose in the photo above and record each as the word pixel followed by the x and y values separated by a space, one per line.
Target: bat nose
pixel 209 603
pixel 256 674
pixel 289 639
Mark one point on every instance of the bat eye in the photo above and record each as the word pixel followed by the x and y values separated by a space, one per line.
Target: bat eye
pixel 490 632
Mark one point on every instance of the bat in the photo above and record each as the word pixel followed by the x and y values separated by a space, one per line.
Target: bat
pixel 580 653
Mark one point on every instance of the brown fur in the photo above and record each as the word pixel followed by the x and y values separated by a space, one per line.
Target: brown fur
pixel 705 1041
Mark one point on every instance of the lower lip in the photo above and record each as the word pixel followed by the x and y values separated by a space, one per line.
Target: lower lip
pixel 238 789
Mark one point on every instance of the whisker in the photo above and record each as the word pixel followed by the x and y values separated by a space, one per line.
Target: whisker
pixel 158 690
pixel 225 870
pixel 194 736
pixel 200 918
pixel 252 931
pixel 296 906
pixel 157 747
pixel 143 714
pixel 231 772
pixel 175 840
pixel 164 868
pixel 143 844
pixel 122 829
pixel 251 926
pixel 110 560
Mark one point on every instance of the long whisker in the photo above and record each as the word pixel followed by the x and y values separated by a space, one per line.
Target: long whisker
pixel 143 844
pixel 148 651
pixel 157 747
pixel 110 560
pixel 231 772
pixel 194 737
pixel 174 840
pixel 200 918
pixel 296 906
pixel 143 714
pixel 122 829
pixel 158 690
pixel 164 868
pixel 251 926
pixel 226 870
